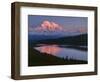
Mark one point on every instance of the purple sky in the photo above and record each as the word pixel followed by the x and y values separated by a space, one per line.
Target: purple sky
pixel 38 24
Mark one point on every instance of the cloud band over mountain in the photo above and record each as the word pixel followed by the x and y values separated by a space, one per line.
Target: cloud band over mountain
pixel 48 26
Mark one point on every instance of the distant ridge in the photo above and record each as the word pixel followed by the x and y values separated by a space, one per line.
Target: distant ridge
pixel 71 40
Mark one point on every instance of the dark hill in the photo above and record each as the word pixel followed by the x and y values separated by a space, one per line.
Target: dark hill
pixel 72 40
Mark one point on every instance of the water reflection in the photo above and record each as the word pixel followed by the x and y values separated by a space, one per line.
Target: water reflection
pixel 63 52
pixel 54 49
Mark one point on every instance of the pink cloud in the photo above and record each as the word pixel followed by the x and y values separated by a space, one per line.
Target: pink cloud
pixel 50 26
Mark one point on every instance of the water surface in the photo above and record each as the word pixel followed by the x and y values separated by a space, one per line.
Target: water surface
pixel 63 51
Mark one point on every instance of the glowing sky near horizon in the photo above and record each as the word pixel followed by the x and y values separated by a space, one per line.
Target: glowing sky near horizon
pixel 38 23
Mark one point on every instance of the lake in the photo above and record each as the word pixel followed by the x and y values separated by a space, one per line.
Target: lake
pixel 63 51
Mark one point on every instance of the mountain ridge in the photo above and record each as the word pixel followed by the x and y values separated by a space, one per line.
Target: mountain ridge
pixel 71 40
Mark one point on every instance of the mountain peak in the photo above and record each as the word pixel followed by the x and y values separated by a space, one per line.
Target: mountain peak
pixel 49 26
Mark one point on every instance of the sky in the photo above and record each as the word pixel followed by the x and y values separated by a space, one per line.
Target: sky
pixel 42 24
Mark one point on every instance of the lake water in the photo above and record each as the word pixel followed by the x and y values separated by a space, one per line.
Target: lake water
pixel 64 51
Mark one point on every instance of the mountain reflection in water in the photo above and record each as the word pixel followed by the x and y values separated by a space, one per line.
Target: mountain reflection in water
pixel 63 52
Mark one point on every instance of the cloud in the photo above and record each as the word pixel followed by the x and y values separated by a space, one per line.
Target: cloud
pixel 48 26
